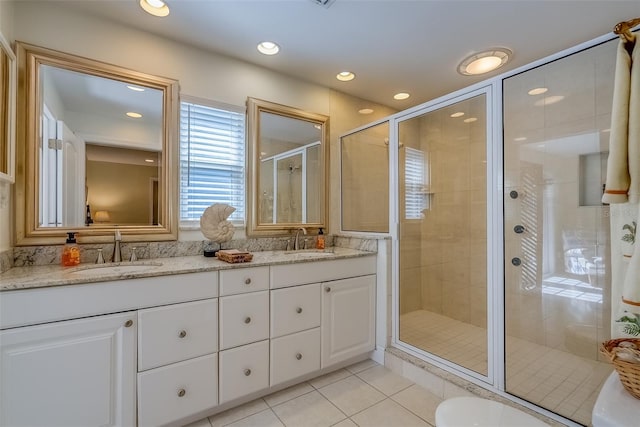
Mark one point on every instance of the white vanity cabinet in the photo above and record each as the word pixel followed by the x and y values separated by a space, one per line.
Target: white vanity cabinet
pixel 339 295
pixel 70 373
pixel 348 318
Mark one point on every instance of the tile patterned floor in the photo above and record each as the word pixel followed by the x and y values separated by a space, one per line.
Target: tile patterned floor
pixel 557 380
pixel 365 394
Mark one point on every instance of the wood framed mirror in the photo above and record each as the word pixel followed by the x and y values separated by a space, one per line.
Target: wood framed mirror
pixel 286 169
pixel 7 111
pixel 98 150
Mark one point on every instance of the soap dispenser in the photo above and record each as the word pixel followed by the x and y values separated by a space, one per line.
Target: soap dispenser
pixel 320 240
pixel 70 251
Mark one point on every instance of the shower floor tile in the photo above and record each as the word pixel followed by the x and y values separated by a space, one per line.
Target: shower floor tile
pixel 557 380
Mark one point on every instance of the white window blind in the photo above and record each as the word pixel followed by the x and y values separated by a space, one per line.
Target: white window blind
pixel 416 197
pixel 211 160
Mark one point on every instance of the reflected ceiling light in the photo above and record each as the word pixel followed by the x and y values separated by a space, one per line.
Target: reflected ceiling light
pixel 345 76
pixel 155 7
pixel 538 91
pixel 317 126
pixel 470 120
pixel 606 130
pixel 458 114
pixel 483 62
pixel 135 88
pixel 365 111
pixel 401 96
pixel 268 48
pixel 149 160
pixel 520 138
pixel 134 115
pixel 548 100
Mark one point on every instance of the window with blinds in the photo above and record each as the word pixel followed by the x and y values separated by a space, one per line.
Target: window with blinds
pixel 416 198
pixel 212 150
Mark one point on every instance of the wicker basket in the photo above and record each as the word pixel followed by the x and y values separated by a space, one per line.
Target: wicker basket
pixel 628 372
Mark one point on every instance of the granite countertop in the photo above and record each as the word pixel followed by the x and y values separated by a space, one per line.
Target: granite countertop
pixel 54 275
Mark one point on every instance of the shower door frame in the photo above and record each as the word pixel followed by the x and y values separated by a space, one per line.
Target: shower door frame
pixel 493 146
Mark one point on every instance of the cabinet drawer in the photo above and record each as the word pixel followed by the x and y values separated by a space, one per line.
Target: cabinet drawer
pixel 243 280
pixel 244 370
pixel 244 319
pixel 173 392
pixel 285 275
pixel 177 332
pixel 294 355
pixel 295 309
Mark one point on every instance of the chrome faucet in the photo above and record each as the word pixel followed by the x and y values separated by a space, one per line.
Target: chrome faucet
pixel 117 254
pixel 296 242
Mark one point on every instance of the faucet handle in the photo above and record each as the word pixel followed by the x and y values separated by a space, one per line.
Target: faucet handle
pixel 134 257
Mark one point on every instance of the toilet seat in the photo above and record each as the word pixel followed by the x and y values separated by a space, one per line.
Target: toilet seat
pixel 477 412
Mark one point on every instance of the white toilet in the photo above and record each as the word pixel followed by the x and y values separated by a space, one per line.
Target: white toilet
pixel 615 407
pixel 477 412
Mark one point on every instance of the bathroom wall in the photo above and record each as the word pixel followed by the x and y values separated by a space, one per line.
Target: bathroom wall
pixel 201 73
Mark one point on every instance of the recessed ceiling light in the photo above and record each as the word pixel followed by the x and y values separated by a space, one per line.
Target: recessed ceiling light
pixel 520 138
pixel 345 76
pixel 470 120
pixel 365 111
pixel 548 100
pixel 155 7
pixel 268 48
pixel 149 160
pixel 134 115
pixel 483 62
pixel 136 88
pixel 401 96
pixel 538 91
pixel 458 114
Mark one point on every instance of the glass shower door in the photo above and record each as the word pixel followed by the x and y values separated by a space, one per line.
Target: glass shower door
pixel 442 286
pixel 557 270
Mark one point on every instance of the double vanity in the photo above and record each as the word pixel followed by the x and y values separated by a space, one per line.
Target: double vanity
pixel 171 340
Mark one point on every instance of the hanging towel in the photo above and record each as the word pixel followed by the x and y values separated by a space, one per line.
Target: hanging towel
pixel 622 189
pixel 618 179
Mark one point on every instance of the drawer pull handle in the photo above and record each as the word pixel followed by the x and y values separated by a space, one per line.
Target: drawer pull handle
pixel 327 289
pixel 181 392
pixel 299 356
pixel 247 281
pixel 128 323
pixel 299 310
pixel 182 334
pixel 247 320
pixel 247 372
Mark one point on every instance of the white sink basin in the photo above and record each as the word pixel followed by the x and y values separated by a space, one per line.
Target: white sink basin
pixel 118 268
pixel 310 253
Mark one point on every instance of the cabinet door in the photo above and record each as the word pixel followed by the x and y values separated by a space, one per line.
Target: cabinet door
pixel 348 318
pixel 73 373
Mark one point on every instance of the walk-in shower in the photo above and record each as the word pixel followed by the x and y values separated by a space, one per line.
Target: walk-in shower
pixel 501 269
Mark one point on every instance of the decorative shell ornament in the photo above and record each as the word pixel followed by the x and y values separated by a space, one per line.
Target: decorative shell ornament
pixel 214 224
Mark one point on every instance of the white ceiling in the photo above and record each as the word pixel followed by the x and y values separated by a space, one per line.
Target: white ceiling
pixel 391 45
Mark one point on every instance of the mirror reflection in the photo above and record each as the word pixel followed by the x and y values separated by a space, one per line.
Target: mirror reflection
pixel 287 152
pixel 100 150
pixel 289 170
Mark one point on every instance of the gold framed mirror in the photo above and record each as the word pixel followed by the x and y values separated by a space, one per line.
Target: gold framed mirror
pixel 98 150
pixel 286 169
pixel 7 111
